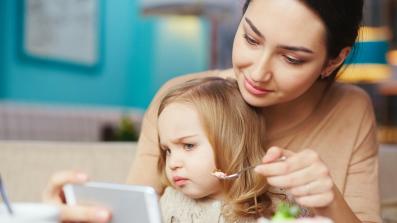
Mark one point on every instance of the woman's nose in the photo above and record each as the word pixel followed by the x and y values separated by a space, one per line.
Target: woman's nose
pixel 262 70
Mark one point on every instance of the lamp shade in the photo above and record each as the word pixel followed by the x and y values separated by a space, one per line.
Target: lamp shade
pixel 187 7
pixel 368 64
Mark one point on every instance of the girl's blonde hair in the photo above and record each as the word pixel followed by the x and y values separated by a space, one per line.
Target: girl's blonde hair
pixel 236 132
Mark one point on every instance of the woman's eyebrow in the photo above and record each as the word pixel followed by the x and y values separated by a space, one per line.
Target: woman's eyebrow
pixel 291 48
pixel 253 27
pixel 296 48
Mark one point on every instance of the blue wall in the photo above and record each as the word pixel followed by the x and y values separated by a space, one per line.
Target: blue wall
pixel 139 55
pixel 2 71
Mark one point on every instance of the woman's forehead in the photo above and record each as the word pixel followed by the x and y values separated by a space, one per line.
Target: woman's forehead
pixel 287 21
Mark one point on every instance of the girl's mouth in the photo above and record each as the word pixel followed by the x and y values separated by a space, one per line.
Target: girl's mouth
pixel 179 181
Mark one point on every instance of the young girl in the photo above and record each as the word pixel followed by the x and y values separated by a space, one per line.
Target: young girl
pixel 205 125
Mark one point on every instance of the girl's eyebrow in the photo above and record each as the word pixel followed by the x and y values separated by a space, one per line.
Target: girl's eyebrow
pixel 177 140
pixel 181 139
pixel 291 48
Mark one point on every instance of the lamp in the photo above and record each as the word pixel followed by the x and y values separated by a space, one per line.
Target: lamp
pixel 214 10
pixel 187 7
pixel 369 63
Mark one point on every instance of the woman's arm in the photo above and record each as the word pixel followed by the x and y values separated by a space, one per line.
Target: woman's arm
pixel 308 178
pixel 361 189
pixel 338 210
pixel 361 196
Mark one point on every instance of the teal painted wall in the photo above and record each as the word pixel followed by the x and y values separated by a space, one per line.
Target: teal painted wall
pixel 2 71
pixel 139 55
pixel 181 47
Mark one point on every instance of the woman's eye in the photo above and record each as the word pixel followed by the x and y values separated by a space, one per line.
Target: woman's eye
pixel 188 146
pixel 293 61
pixel 250 40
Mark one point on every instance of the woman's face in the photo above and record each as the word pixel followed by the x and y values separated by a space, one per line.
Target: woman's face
pixel 279 51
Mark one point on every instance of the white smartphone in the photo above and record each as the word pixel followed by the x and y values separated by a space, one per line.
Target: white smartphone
pixel 128 203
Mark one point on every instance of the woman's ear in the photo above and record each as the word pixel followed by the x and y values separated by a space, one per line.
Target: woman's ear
pixel 336 62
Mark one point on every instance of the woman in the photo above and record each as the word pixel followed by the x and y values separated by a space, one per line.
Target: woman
pixel 286 55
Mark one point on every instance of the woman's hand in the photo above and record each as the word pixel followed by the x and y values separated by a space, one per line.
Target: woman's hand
pixel 303 175
pixel 53 193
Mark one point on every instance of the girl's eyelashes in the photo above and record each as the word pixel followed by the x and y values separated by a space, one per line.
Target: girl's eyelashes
pixel 250 40
pixel 188 146
pixel 185 146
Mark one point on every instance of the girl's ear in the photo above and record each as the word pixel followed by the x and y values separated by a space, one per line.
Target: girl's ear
pixel 336 62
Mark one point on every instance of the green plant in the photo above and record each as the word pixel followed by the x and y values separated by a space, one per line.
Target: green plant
pixel 125 130
pixel 286 212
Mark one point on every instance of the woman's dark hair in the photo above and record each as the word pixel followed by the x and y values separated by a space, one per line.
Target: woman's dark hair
pixel 342 20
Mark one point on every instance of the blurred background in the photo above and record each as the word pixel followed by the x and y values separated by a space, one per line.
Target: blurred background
pixel 86 70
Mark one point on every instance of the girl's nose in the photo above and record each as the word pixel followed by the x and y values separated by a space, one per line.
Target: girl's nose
pixel 175 162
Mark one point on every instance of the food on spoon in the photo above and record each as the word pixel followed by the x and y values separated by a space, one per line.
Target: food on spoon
pixel 219 174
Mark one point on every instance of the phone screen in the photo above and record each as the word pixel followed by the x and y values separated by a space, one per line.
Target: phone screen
pixel 128 203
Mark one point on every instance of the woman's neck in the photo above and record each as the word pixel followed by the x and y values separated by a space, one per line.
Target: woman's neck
pixel 283 117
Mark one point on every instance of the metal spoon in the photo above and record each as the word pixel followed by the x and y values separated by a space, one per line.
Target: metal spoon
pixel 234 176
pixel 5 198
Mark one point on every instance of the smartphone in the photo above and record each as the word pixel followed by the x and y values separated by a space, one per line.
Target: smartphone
pixel 128 203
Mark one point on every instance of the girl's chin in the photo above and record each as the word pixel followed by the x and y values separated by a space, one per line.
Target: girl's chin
pixel 194 194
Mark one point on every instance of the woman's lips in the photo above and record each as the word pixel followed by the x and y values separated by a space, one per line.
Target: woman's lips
pixel 255 90
pixel 179 181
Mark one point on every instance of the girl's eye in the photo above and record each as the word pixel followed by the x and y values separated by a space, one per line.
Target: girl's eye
pixel 188 146
pixel 250 40
pixel 293 61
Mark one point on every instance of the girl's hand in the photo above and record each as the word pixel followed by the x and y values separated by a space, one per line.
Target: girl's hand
pixel 53 193
pixel 304 176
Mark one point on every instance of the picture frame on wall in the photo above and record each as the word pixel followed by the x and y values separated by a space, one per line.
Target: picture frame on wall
pixel 65 32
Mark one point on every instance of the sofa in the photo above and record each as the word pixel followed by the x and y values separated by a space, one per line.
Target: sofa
pixel 26 166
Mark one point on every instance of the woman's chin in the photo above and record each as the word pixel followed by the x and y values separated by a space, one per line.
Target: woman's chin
pixel 254 100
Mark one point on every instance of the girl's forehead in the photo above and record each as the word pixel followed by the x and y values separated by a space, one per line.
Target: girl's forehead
pixel 178 120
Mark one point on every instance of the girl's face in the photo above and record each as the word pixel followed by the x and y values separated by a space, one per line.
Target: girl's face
pixel 190 158
pixel 279 51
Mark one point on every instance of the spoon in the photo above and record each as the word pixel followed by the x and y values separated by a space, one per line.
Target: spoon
pixel 5 198
pixel 223 176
